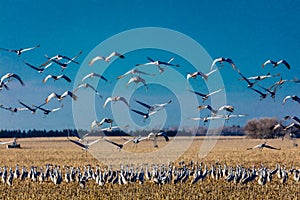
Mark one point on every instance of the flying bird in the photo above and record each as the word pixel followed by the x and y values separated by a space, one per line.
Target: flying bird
pixel 60 97
pixel 262 95
pixel 92 75
pixel 134 71
pixel 115 99
pixel 100 123
pixel 39 69
pixel 271 92
pixel 9 142
pixel 136 80
pixel 12 109
pixel 221 60
pixel 206 119
pixel 106 59
pixel 86 85
pixel 85 146
pixel 250 84
pixel 156 135
pixel 296 119
pixel 145 115
pixel 293 97
pixel 206 96
pixel 158 64
pixel 20 51
pixel 198 73
pixel 261 77
pixel 47 111
pixel 9 77
pixel 263 145
pixel 64 65
pixel 119 146
pixel 33 110
pixel 275 64
pixel 57 78
pixel 154 107
pixel 215 111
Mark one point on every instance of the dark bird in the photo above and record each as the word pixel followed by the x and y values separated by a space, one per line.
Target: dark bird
pixel 33 110
pixel 275 64
pixel 47 111
pixel 271 92
pixel 262 95
pixel 20 51
pixel 250 84
pixel 38 69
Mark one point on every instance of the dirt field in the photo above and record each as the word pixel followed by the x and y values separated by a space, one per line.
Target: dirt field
pixel 226 150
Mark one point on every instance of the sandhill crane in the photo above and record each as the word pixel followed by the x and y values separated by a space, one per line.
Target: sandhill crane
pixel 57 78
pixel 115 99
pixel 261 77
pixel 262 95
pixel 221 60
pixel 136 80
pixel 198 73
pixel 12 109
pixel 85 146
pixel 263 145
pixel 206 96
pixel 158 64
pixel 106 59
pixel 100 123
pixel 62 96
pixel 20 51
pixel 228 108
pixel 39 69
pixel 134 71
pixel 275 64
pixel 296 119
pixel 206 119
pixel 64 65
pixel 250 84
pixel 271 92
pixel 145 115
pixel 60 57
pixel 9 142
pixel 154 107
pixel 33 110
pixel 9 77
pixel 119 146
pixel 293 97
pixel 92 75
pixel 156 135
pixel 86 85
pixel 47 111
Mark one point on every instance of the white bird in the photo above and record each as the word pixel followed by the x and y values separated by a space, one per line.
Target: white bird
pixel 86 85
pixel 221 60
pixel 158 64
pixel 57 77
pixel 261 77
pixel 293 97
pixel 92 75
pixel 60 97
pixel 85 146
pixel 263 145
pixel 145 115
pixel 206 119
pixel 20 51
pixel 198 73
pixel 106 59
pixel 109 129
pixel 100 123
pixel 154 107
pixel 228 108
pixel 206 96
pixel 250 84
pixel 33 110
pixel 156 135
pixel 8 77
pixel 134 71
pixel 64 65
pixel 275 64
pixel 136 80
pixel 115 99
pixel 12 109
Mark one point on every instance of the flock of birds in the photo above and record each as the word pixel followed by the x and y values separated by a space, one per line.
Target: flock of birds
pixel 136 73
pixel 190 173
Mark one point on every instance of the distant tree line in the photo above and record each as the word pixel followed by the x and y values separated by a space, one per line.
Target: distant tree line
pixel 264 129
pixel 201 131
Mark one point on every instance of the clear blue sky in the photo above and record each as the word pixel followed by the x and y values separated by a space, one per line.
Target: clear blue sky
pixel 249 32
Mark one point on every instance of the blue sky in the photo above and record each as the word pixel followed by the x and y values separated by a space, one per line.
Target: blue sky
pixel 248 32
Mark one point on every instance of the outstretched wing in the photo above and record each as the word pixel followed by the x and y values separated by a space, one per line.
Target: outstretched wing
pixel 107 101
pixel 120 146
pixel 77 143
pixel 95 59
pixel 139 112
pixel 143 104
pixel 270 147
